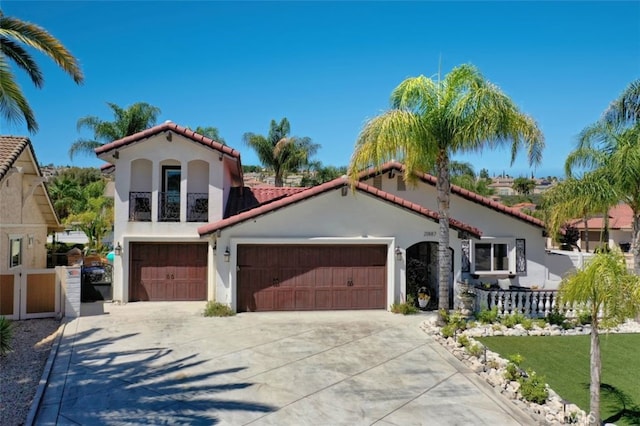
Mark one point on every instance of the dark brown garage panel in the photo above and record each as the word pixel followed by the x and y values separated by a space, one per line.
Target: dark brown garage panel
pixel 311 277
pixel 164 272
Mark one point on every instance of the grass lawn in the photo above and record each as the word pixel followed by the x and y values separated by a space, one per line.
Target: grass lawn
pixel 564 361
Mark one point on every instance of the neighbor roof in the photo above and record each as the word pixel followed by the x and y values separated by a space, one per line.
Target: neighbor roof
pixel 12 149
pixel 326 187
pixel 455 189
pixel 620 217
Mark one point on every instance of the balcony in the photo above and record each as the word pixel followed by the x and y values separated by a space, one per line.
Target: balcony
pixel 197 207
pixel 140 206
pixel 168 207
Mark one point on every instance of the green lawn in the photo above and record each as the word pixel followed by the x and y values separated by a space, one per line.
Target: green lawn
pixel 564 361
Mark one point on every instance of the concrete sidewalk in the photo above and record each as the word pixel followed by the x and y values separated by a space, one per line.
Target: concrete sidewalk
pixel 164 363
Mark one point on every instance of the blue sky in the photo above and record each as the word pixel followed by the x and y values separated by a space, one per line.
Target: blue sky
pixel 326 66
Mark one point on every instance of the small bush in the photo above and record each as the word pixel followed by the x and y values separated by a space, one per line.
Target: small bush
pixel 448 330
pixel 217 309
pixel 486 316
pixel 475 350
pixel 513 367
pixel 584 317
pixel 458 321
pixel 533 388
pixel 405 308
pixel 541 323
pixel 6 334
pixel 527 324
pixel 463 340
pixel 556 318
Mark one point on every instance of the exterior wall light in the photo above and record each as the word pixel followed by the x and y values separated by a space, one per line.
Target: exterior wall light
pixel 227 254
pixel 118 249
pixel 398 253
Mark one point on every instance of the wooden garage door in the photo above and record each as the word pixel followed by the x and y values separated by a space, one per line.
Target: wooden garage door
pixel 309 277
pixel 162 272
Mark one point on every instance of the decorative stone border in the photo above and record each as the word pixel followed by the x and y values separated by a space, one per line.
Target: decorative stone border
pixel 555 411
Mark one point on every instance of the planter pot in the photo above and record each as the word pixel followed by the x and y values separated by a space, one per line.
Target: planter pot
pixel 423 303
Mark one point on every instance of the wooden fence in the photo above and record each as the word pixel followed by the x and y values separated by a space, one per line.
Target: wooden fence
pixel 33 293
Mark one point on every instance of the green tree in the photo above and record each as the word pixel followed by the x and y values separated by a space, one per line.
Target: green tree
pixel 96 218
pixel 127 121
pixel 317 174
pixel 66 194
pixel 611 294
pixel 610 149
pixel 211 133
pixel 523 185
pixel 280 152
pixel 484 174
pixel 15 36
pixel 429 121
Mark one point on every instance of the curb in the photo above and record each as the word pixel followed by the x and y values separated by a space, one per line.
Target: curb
pixel 46 373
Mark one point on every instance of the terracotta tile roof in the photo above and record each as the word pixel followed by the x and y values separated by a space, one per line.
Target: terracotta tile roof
pixel 464 193
pixel 241 199
pixel 10 149
pixel 335 184
pixel 264 193
pixel 620 217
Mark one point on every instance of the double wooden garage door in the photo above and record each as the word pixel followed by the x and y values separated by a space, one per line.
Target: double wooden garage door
pixel 311 277
pixel 164 272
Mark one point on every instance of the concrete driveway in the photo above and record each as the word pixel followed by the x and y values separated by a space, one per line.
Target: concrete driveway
pixel 164 363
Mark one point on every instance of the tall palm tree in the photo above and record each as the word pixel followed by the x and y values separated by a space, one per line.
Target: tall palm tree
pixel 610 293
pixel 130 120
pixel 611 146
pixel 429 121
pixel 280 152
pixel 15 35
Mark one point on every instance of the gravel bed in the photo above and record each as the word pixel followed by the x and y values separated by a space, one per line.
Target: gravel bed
pixel 21 368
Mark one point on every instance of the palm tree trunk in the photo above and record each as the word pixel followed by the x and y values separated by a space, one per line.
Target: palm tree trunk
pixel 444 258
pixel 586 234
pixel 595 366
pixel 635 243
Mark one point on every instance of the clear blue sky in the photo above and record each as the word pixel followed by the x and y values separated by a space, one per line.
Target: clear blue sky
pixel 326 66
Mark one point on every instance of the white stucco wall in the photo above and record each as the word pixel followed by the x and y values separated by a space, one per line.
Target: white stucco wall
pixel 154 153
pixel 330 218
pixel 492 223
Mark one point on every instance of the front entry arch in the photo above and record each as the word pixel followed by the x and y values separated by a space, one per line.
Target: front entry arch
pixel 422 271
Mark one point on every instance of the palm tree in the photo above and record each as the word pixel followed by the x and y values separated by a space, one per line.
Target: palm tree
pixel 523 185
pixel 577 198
pixel 611 294
pixel 429 121
pixel 66 195
pixel 15 34
pixel 611 146
pixel 136 118
pixel 280 152
pixel 211 133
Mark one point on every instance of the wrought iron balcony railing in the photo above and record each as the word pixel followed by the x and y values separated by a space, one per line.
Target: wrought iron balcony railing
pixel 197 207
pixel 140 206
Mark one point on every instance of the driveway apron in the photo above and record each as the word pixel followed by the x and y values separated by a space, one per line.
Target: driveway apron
pixel 164 363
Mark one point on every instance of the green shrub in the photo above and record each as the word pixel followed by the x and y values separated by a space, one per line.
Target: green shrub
pixel 486 316
pixel 584 317
pixel 217 309
pixel 448 330
pixel 533 388
pixel 527 324
pixel 458 321
pixel 405 308
pixel 463 340
pixel 6 334
pixel 513 367
pixel 556 318
pixel 512 320
pixel 540 322
pixel 444 314
pixel 475 350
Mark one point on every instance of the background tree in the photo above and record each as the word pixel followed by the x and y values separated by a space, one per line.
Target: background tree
pixel 484 174
pixel 280 152
pixel 611 294
pixel 127 121
pixel 68 189
pixel 317 174
pixel 429 121
pixel 15 36
pixel 211 133
pixel 524 185
pixel 463 175
pixel 610 149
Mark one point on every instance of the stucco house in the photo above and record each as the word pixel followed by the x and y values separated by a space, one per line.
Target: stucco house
pixel 188 228
pixel 26 212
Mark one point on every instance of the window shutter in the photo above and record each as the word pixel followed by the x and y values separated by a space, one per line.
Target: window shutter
pixel 521 255
pixel 466 261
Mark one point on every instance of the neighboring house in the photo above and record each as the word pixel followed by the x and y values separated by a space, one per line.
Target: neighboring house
pixel 26 213
pixel 620 229
pixel 188 228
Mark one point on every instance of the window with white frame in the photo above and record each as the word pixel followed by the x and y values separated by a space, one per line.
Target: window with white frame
pixel 492 256
pixel 15 251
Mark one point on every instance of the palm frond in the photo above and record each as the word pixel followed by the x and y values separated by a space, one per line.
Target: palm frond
pixel 13 104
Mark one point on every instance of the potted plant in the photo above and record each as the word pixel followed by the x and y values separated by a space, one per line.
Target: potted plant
pixel 423 297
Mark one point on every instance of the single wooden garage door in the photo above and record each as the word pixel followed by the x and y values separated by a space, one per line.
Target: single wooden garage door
pixel 311 277
pixel 163 272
